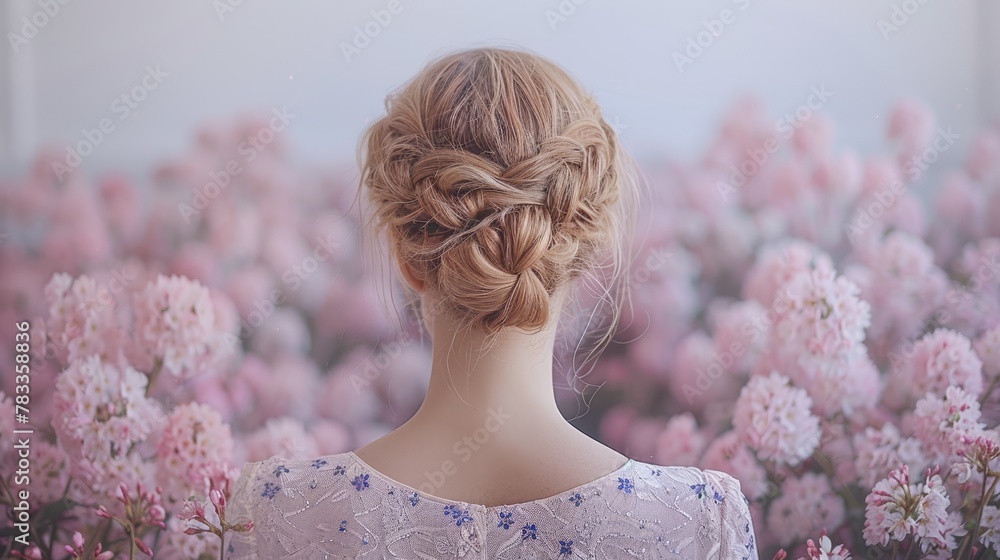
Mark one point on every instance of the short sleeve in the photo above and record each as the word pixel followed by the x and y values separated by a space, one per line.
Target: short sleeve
pixel 737 538
pixel 243 546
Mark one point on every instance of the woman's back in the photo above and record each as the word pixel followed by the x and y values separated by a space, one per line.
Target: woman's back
pixel 504 196
pixel 337 506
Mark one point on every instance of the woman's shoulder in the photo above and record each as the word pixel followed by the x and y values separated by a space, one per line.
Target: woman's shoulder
pixel 713 497
pixel 278 475
pixel 716 484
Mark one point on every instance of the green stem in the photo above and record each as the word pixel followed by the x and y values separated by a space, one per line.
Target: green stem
pixel 982 507
pixel 131 541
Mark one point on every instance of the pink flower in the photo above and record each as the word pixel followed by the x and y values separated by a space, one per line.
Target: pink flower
pixel 699 374
pixel 896 509
pixel 284 436
pixel 739 335
pixel 192 510
pixel 285 332
pixel 941 359
pixel 175 322
pixel 814 137
pixel 990 535
pixel 959 215
pixel 81 321
pixel 879 451
pixel 911 122
pixel 945 424
pixel 804 504
pixel 331 437
pixel 777 265
pixel 728 454
pixel 903 286
pixel 987 348
pixel 194 441
pixel 984 160
pixel 821 322
pixel 76 550
pixel 774 419
pixel 886 515
pixel 680 443
pixel 825 550
pixel 101 412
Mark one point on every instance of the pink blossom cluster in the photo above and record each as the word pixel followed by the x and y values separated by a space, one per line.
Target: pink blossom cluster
pixel 775 419
pixel 175 323
pixel 897 508
pixel 101 413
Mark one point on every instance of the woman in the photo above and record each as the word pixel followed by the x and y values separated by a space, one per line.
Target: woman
pixel 500 189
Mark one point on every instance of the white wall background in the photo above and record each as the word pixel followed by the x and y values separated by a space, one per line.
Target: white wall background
pixel 269 54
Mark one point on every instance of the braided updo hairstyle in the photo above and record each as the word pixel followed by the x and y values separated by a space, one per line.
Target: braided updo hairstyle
pixel 495 176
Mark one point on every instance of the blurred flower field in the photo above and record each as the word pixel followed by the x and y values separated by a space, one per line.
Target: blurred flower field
pixel 821 323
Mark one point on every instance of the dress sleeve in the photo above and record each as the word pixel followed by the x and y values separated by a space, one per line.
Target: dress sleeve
pixel 737 538
pixel 243 546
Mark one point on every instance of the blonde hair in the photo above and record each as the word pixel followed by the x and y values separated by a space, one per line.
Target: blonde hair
pixel 497 179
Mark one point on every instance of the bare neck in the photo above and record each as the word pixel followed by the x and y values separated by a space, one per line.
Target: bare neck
pixel 469 382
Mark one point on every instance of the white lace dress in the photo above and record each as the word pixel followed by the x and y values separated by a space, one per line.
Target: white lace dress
pixel 337 506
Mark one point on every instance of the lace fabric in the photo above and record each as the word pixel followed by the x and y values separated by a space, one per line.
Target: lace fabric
pixel 337 506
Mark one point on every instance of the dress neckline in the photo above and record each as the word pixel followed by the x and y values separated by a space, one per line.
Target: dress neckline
pixel 446 501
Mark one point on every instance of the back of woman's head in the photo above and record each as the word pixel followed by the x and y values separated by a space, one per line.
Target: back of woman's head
pixel 496 178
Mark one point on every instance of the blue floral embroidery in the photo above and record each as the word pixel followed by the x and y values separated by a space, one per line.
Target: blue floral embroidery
pixel 625 484
pixel 281 469
pixel 699 490
pixel 505 519
pixel 343 525
pixel 655 472
pixel 414 499
pixel 718 497
pixel 318 463
pixel 577 499
pixel 459 515
pixel 270 490
pixel 339 469
pixel 565 547
pixel 528 531
pixel 360 481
